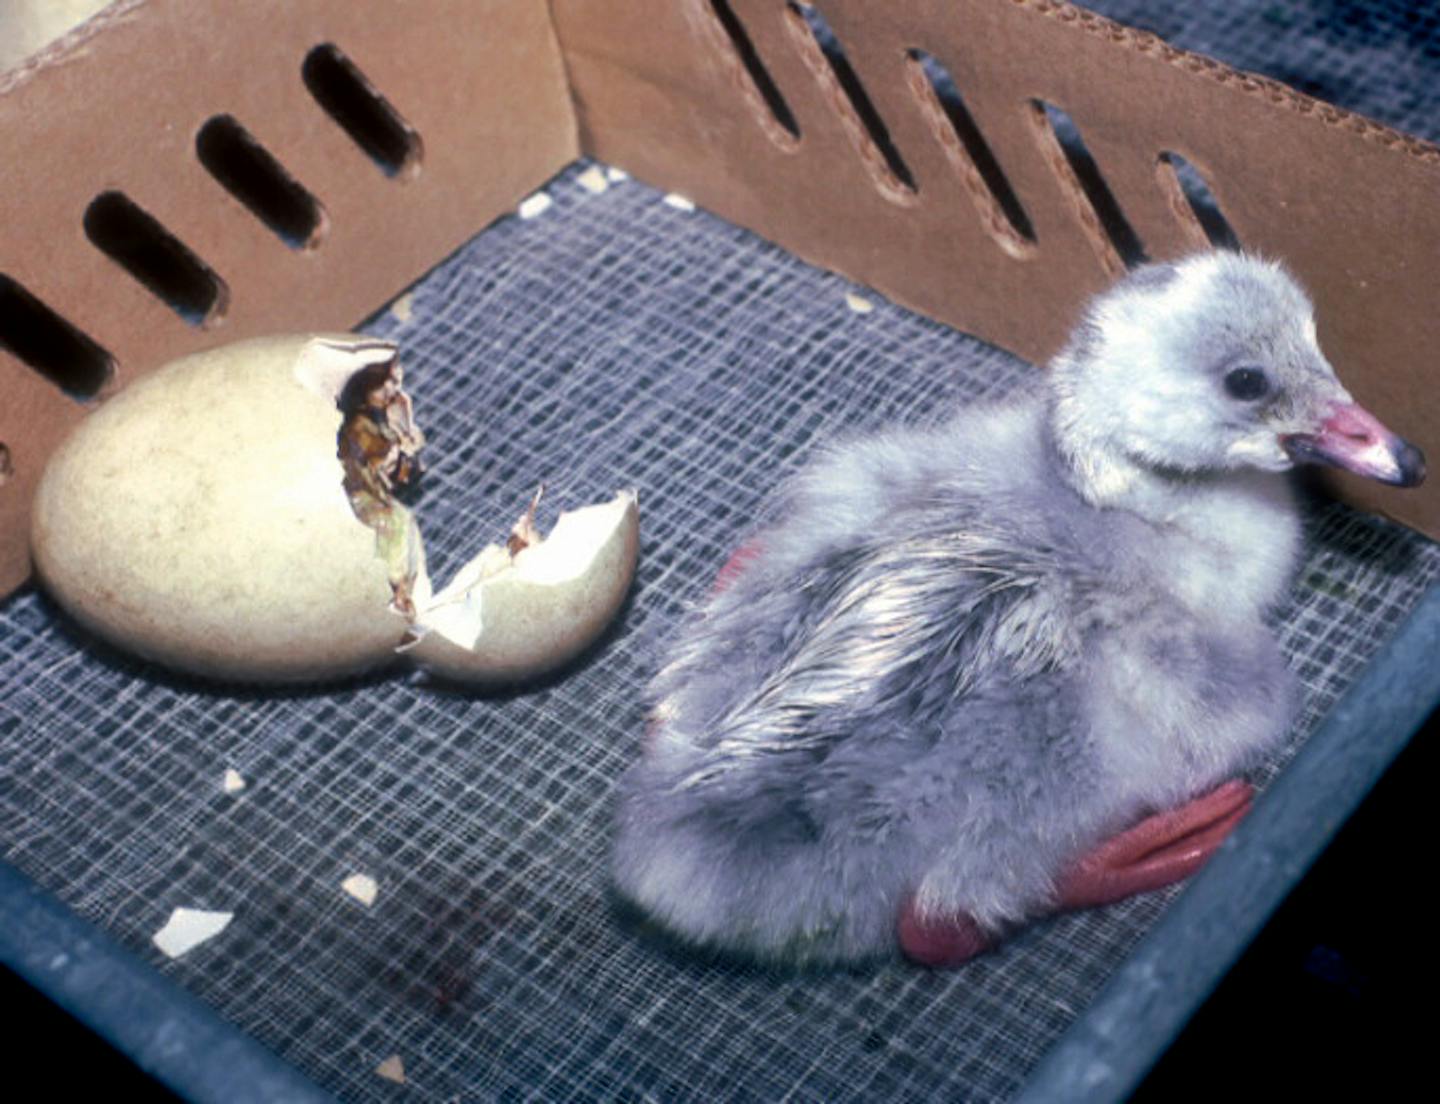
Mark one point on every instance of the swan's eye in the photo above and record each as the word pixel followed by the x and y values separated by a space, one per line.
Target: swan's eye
pixel 1247 384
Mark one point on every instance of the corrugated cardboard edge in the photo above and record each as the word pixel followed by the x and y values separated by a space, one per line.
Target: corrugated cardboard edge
pixel 661 90
pixel 116 104
pixel 67 43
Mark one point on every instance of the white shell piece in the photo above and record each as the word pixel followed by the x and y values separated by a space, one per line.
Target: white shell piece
pixel 573 544
pixel 457 613
pixel 403 308
pixel 858 303
pixel 593 180
pixel 362 887
pixel 392 1069
pixel 537 204
pixel 540 608
pixel 325 364
pixel 187 928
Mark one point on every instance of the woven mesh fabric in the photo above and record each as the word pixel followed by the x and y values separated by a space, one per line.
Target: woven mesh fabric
pixel 614 340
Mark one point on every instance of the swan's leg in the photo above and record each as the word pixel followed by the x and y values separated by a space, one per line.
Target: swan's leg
pixel 1159 851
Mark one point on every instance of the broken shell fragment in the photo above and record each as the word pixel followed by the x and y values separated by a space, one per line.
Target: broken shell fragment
pixel 362 887
pixel 520 611
pixel 392 1069
pixel 187 928
pixel 234 514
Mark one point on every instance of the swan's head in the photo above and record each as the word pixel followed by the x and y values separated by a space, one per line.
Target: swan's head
pixel 1211 364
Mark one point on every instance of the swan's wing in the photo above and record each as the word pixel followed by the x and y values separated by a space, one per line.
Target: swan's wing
pixel 900 626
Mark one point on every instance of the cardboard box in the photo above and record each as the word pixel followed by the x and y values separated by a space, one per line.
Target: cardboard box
pixel 181 174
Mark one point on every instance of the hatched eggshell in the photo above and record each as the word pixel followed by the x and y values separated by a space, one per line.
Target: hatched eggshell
pixel 199 518
pixel 535 620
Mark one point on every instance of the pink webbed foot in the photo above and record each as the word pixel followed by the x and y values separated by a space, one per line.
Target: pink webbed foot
pixel 1159 851
pixel 940 941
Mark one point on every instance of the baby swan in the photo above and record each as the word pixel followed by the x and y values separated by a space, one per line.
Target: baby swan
pixel 1009 664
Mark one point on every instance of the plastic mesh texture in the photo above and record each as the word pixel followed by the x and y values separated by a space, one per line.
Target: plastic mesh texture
pixel 614 340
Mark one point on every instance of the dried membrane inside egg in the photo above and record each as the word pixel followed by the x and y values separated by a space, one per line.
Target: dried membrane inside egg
pixel 379 445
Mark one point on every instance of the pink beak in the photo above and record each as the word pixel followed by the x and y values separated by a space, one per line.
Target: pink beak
pixel 1352 438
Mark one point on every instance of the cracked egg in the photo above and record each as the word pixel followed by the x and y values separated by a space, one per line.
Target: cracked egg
pixel 234 514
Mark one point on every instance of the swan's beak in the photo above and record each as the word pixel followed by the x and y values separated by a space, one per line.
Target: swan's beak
pixel 1352 438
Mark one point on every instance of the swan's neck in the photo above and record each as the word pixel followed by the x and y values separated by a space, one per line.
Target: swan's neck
pixel 1224 542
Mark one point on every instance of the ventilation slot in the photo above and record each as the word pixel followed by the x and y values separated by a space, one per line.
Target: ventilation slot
pixel 1000 208
pixel 352 101
pixel 759 76
pixel 132 238
pixel 248 172
pixel 50 345
pixel 1116 237
pixel 1194 201
pixel 816 36
pixel 7 466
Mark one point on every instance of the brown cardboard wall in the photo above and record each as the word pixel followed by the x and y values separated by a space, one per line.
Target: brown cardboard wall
pixel 665 89
pixel 732 102
pixel 119 107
